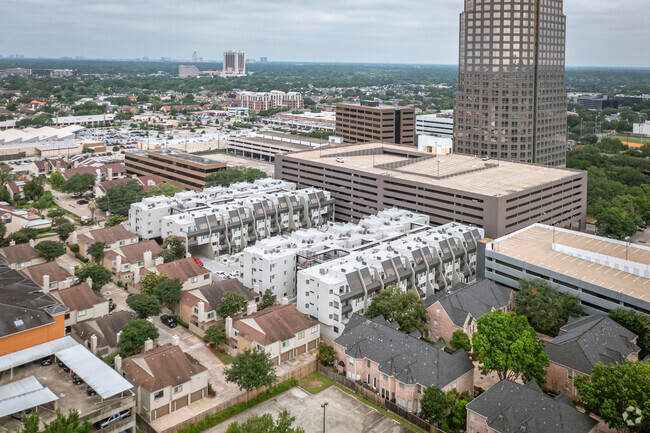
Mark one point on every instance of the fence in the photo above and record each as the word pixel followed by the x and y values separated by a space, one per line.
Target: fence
pixel 298 373
pixel 373 397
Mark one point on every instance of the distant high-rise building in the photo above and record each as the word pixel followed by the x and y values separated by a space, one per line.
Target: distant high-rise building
pixel 234 64
pixel 263 60
pixel 370 121
pixel 186 71
pixel 511 102
pixel 195 57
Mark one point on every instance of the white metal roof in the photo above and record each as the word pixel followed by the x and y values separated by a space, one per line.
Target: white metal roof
pixel 34 353
pixel 23 394
pixel 95 372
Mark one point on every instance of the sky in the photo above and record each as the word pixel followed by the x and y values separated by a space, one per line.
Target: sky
pixel 599 32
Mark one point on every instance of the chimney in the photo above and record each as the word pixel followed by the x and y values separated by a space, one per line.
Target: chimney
pixel 148 344
pixel 257 288
pixel 89 281
pixel 176 340
pixel 118 363
pixel 118 263
pixel 58 165
pixel 284 301
pixel 228 328
pixel 117 336
pixel 93 343
pixel 188 255
pixel 66 283
pixel 46 283
pixel 109 176
pixel 251 308
pixel 71 270
pixel 201 308
pixel 158 261
pixel 148 259
pixel 12 243
pixel 73 240
pixel 136 275
pixel 31 243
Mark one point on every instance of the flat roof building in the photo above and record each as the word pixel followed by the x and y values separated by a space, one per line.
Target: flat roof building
pixel 369 121
pixel 435 125
pixel 190 171
pixel 500 196
pixel 265 145
pixel 605 274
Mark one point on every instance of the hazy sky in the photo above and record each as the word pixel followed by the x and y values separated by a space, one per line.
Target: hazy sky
pixel 600 32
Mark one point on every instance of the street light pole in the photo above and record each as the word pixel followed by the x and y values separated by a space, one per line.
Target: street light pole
pixel 324 406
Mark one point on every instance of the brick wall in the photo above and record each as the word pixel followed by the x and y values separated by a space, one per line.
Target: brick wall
pixel 476 423
pixel 440 325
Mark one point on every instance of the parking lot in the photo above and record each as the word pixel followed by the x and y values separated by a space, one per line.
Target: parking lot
pixel 345 414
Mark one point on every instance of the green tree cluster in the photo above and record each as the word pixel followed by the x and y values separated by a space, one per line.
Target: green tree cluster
pixel 265 423
pixel 50 250
pixel 434 404
pixel 460 340
pixel 173 249
pixel 215 335
pixel 134 334
pixel 96 251
pixel 231 304
pixel 119 198
pixel 21 236
pixel 61 424
pixel 99 274
pixel 166 189
pixel 251 369
pixel 326 354
pixel 234 175
pixel 405 308
pixel 115 220
pixel 80 182
pixel 144 305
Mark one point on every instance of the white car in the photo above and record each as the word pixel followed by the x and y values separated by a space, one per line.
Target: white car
pixel 339 159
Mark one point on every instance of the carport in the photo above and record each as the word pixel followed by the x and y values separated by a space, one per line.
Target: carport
pixel 24 394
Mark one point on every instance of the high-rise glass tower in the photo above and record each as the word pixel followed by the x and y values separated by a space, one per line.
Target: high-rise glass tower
pixel 511 101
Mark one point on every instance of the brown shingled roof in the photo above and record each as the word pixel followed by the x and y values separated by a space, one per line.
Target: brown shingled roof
pixel 183 269
pixel 80 297
pixel 161 367
pixel 108 235
pixel 277 323
pixel 36 273
pixel 133 253
pixel 19 253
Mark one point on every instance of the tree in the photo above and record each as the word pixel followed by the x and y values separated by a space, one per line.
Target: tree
pixel 99 274
pixel 64 230
pixel 215 335
pixel 590 139
pixel 614 388
pixel 96 251
pixel 34 188
pixel 234 175
pixel 149 282
pixel 326 354
pixel 57 179
pixel 134 334
pixel 268 299
pixel 50 250
pixel 637 323
pixel 168 292
pixel 119 199
pixel 61 424
pixel 6 175
pixel 115 220
pixel 55 213
pixel 546 309
pixel 508 345
pixel 173 249
pixel 460 340
pixel 265 423
pixel 80 182
pixel 21 236
pixel 41 204
pixel 458 412
pixel 433 404
pixel 251 369
pixel 405 308
pixel 617 222
pixel 144 305
pixel 166 189
pixel 3 230
pixel 231 303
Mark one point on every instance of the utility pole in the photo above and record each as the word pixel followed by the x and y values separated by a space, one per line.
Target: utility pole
pixel 324 406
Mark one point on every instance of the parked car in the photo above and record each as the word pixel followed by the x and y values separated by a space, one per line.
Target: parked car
pixel 234 274
pixel 168 320
pixel 113 419
pixel 46 361
pixel 75 194
pixel 339 159
pixel 63 366
pixel 111 306
pixel 198 261
pixel 90 391
pixel 76 380
pixel 82 201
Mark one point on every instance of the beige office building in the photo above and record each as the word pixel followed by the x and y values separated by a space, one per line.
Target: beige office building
pixel 369 121
pixel 500 196
pixel 511 101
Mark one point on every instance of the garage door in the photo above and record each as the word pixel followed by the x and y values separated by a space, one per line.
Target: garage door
pixel 275 361
pixel 285 356
pixel 313 345
pixel 162 411
pixel 197 395
pixel 181 402
pixel 302 349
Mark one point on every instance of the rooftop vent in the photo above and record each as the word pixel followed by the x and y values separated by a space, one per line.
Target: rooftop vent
pixel 18 323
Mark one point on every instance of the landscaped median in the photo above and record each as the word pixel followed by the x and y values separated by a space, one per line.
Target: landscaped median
pixel 212 420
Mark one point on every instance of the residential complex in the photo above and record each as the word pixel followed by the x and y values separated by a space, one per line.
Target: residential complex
pixel 605 274
pixel 191 171
pixel 234 64
pixel 262 101
pixel 223 220
pixel 511 103
pixel 369 121
pixel 500 196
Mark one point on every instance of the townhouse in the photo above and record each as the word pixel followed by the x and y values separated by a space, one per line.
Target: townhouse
pixel 126 262
pixel 191 275
pixel 399 366
pixel 21 256
pixel 50 276
pixel 112 237
pixel 101 334
pixel 83 303
pixel 462 305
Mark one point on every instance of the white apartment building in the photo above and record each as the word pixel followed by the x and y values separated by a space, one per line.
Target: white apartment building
pixel 223 220
pixel 642 128
pixel 188 71
pixel 426 260
pixel 435 125
pixel 274 99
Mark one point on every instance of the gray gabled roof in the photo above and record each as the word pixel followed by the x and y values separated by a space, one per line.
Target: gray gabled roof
pixel 585 341
pixel 514 408
pixel 476 300
pixel 409 359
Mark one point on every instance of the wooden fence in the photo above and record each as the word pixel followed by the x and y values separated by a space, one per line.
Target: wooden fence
pixel 375 398
pixel 298 373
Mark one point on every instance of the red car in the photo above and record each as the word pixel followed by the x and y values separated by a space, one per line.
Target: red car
pixel 198 261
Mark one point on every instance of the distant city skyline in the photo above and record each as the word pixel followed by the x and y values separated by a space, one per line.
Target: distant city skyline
pixel 599 32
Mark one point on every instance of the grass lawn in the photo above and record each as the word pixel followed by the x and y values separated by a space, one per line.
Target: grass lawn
pixel 315 383
pixel 380 409
pixel 633 139
pixel 224 357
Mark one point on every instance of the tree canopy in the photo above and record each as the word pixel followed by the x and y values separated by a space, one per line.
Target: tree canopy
pixel 460 340
pixel 34 188
pixel 115 220
pixel 135 333
pixel 57 179
pixel 21 236
pixel 434 404
pixel 508 345
pixel 150 281
pixel 215 335
pixel 61 424
pixel 64 230
pixel 637 323
pixel 405 308
pixel 265 423
pixel 231 303
pixel 251 369
pixel 168 292
pixel 96 251
pixel 268 299
pixel 144 305
pixel 234 175
pixel 80 182
pixel 326 354
pixel 99 274
pixel 173 249
pixel 50 250
pixel 546 309
pixel 119 199
pixel 166 189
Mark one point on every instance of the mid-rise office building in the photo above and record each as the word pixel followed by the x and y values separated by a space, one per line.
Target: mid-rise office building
pixel 261 101
pixel 595 102
pixel 500 196
pixel 511 102
pixel 605 274
pixel 190 171
pixel 224 220
pixel 435 125
pixel 234 64
pixel 188 71
pixel 370 121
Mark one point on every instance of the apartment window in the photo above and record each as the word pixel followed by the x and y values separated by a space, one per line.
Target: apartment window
pixel 471 416
pixel 301 334
pixel 401 385
pixel 52 285
pixel 437 311
pixel 285 343
pixel 81 313
pixel 126 266
pixel 368 363
pixel 211 315
pixel 21 265
pixel 178 389
pixel 158 395
pixel 195 279
pixel 314 329
pixel 121 242
pixel 141 263
pixel 570 375
pixel 435 323
pixel 384 377
pixel 206 276
pixel 351 361
pixel 195 310
pixel 419 389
